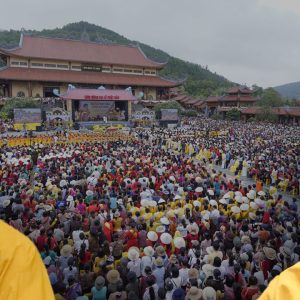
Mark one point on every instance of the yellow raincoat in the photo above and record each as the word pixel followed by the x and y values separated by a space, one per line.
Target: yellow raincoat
pixel 284 286
pixel 22 272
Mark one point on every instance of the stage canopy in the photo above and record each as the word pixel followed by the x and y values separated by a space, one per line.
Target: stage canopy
pixel 98 94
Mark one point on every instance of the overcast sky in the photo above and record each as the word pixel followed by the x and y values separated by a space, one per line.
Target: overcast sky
pixel 247 41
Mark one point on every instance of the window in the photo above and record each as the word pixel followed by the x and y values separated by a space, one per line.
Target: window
pixel 62 66
pixel 48 91
pixel 76 67
pixel 50 65
pixel 138 71
pixel 118 70
pixel 15 63
pixel 94 68
pixel 37 65
pixel 128 70
pixel 21 94
pixel 23 63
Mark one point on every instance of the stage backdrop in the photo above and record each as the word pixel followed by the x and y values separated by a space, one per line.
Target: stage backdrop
pixel 27 115
pixel 94 109
pixel 27 118
pixel 169 115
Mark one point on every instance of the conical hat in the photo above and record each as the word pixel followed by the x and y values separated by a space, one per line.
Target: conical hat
pixel 152 236
pixel 166 238
pixel 235 209
pixel 179 242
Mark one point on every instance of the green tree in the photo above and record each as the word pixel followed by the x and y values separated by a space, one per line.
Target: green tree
pixel 9 106
pixel 167 105
pixel 270 98
pixel 258 91
pixel 266 114
pixel 233 114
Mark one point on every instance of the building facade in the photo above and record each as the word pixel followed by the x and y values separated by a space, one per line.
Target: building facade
pixel 40 65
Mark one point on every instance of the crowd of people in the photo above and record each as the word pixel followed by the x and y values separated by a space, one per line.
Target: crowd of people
pixel 155 215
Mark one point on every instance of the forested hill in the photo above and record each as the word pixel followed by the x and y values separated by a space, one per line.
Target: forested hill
pixel 289 90
pixel 199 80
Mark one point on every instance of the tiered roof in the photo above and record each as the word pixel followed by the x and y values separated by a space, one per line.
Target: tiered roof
pixel 79 51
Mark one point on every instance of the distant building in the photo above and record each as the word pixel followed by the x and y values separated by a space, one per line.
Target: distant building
pixel 286 115
pixel 39 65
pixel 236 97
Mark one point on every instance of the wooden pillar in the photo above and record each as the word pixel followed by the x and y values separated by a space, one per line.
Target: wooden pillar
pixel 129 109
pixel 29 89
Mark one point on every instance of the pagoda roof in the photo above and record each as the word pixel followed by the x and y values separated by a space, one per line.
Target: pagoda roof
pixel 29 74
pixel 213 99
pixel 80 51
pixel 282 111
pixel 239 89
pixel 242 98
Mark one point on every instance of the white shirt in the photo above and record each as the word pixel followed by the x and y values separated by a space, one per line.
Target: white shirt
pixel 183 273
pixel 135 266
pixel 78 244
pixel 75 235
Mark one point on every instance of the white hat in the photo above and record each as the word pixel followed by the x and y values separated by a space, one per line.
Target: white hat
pixel 70 198
pixel 208 270
pixel 152 203
pixel 244 207
pixel 238 193
pixel 228 195
pixel 209 293
pixel 261 193
pixel 166 238
pixel 223 201
pixel 251 194
pixel 260 203
pixel 144 203
pixel 239 199
pixel 5 203
pixel 198 179
pixel 160 229
pixel 172 178
pixel 235 209
pixel 164 221
pixel 193 229
pixel 161 200
pixel 63 183
pixel 149 251
pixel 179 242
pixel 196 203
pixel 210 192
pixel 152 236
pixel 253 205
pixel 89 193
pixel 245 199
pixel 252 215
pixel 213 203
pixel 199 189
pixel 177 197
pixel 133 253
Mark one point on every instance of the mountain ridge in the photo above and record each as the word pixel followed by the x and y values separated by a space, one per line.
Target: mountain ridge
pixel 289 90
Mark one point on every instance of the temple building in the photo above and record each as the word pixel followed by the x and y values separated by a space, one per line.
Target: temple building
pixel 236 97
pixel 40 65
